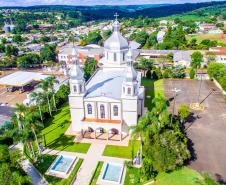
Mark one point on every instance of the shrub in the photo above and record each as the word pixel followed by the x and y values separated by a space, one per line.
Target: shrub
pixel 192 73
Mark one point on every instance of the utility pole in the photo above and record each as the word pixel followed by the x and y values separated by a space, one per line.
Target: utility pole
pixel 175 90
pixel 200 85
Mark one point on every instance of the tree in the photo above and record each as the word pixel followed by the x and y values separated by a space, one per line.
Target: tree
pixel 48 53
pixel 183 112
pixel 151 41
pixel 28 60
pixel 51 82
pixel 44 85
pixel 37 99
pixel 11 50
pixel 145 64
pixel 214 68
pixel 106 34
pixel 192 73
pixel 164 146
pixel 18 38
pixel 197 59
pixel 32 120
pixel 141 37
pixel 90 67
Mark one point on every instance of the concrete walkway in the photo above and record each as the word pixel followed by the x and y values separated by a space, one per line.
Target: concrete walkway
pixel 28 167
pixel 91 159
pixel 89 164
pixel 33 173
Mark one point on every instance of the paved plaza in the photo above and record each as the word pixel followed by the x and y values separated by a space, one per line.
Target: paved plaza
pixel 206 129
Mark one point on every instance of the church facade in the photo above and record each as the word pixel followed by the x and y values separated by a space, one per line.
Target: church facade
pixel 112 100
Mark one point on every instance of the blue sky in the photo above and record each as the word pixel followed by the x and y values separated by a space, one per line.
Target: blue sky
pixel 90 2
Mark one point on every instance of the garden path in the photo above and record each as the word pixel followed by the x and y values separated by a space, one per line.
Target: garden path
pixel 91 159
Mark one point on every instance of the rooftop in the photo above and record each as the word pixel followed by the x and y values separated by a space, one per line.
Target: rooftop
pixel 102 83
pixel 21 78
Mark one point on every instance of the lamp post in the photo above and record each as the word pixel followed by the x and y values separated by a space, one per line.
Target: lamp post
pixel 175 90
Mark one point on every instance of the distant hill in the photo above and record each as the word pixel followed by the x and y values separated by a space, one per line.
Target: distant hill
pixel 103 12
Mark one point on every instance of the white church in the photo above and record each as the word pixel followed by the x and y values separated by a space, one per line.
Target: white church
pixel 112 100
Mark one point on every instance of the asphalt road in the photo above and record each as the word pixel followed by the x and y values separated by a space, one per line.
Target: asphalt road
pixel 207 129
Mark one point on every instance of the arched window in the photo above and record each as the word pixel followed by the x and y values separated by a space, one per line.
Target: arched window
pixel 124 90
pixel 75 88
pixel 115 110
pixel 129 90
pixel 107 55
pixel 102 112
pixel 89 108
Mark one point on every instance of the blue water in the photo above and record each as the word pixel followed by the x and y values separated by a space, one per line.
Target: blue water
pixel 112 172
pixel 62 164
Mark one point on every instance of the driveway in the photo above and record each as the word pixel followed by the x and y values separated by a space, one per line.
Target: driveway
pixel 207 130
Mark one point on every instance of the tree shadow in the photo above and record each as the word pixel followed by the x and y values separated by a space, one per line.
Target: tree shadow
pixel 220 179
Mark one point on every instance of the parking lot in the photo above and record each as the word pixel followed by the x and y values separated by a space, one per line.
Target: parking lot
pixel 206 129
pixel 11 98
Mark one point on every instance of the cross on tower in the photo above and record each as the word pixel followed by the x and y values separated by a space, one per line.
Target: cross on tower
pixel 116 16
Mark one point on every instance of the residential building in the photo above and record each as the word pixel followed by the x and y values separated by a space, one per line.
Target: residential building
pixel 220 53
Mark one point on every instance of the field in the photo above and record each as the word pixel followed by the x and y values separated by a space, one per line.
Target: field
pixel 153 88
pixel 183 176
pixel 209 36
pixel 122 151
pixel 53 133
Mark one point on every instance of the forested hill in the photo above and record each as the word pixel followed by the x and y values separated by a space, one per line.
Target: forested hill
pixel 153 12
pixel 89 13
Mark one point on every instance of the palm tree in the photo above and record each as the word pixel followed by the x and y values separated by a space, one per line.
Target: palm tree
pixel 37 99
pixel 139 131
pixel 32 119
pixel 20 112
pixel 51 81
pixel 44 85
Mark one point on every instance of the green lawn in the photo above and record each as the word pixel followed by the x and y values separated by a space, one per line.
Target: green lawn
pixel 132 176
pixel 96 174
pixel 53 133
pixel 183 176
pixel 153 88
pixel 122 151
pixel 47 161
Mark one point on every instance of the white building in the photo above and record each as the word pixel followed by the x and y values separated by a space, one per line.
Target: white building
pixel 160 36
pixel 113 98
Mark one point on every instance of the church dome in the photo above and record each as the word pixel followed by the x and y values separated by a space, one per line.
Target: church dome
pixel 116 41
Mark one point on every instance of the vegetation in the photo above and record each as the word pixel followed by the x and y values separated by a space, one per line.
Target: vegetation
pixel 90 67
pixel 183 176
pixel 197 59
pixel 192 73
pixel 10 170
pixel 122 151
pixel 184 112
pixel 218 71
pixel 53 133
pixel 28 60
pixel 156 131
pixel 48 53
pixel 96 173
pixel 47 161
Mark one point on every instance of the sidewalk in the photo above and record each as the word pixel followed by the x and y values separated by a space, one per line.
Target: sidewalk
pixel 89 164
pixel 28 167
